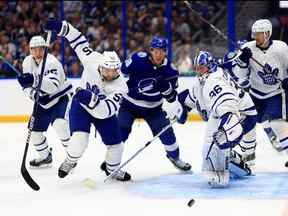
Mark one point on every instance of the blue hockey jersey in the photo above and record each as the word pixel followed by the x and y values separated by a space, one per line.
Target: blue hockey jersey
pixel 146 80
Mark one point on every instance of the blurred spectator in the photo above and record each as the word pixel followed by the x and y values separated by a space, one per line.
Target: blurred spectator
pixel 100 21
pixel 184 62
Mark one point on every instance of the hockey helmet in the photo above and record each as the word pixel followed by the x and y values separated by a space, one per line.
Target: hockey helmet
pixel 206 59
pixel 37 41
pixel 262 25
pixel 110 65
pixel 159 43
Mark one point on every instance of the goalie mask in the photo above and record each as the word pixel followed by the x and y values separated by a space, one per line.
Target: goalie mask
pixel 109 67
pixel 204 63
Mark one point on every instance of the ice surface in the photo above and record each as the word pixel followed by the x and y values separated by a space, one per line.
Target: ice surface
pixel 157 187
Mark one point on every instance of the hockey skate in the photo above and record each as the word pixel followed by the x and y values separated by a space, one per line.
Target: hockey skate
pixel 42 163
pixel 120 175
pixel 179 164
pixel 65 168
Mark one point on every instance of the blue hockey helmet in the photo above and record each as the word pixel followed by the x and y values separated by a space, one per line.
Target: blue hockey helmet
pixel 205 58
pixel 159 43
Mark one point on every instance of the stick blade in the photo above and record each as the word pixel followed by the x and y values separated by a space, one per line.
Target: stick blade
pixel 29 179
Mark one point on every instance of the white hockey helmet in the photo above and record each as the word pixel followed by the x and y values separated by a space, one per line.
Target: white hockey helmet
pixel 37 41
pixel 262 25
pixel 110 65
pixel 110 60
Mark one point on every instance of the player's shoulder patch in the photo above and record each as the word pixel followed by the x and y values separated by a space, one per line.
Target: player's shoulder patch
pixel 128 62
pixel 142 54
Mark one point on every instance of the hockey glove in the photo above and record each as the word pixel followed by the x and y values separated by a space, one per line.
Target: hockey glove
pixel 53 25
pixel 87 98
pixel 245 55
pixel 285 84
pixel 27 80
pixel 245 85
pixel 230 131
pixel 177 111
pixel 166 90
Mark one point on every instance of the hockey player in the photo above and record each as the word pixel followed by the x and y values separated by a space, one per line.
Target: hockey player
pixel 231 119
pixel 54 98
pixel 156 78
pixel 95 102
pixel 267 85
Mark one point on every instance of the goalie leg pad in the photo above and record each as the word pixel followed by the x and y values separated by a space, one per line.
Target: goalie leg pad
pixel 248 147
pixel 215 160
pixel 217 179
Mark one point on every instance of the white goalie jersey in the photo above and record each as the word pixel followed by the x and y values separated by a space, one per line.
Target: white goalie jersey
pixel 217 95
pixel 91 79
pixel 54 83
pixel 264 83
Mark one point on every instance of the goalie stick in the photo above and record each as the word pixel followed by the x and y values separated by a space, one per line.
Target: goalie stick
pixel 24 170
pixel 218 31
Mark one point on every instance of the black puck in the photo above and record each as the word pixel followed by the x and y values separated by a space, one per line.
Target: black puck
pixel 191 202
pixel 286 164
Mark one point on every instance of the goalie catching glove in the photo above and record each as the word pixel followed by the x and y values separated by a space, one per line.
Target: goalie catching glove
pixel 230 131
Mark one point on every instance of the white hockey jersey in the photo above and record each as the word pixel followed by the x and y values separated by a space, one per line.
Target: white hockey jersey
pixel 54 81
pixel 217 95
pixel 91 78
pixel 264 84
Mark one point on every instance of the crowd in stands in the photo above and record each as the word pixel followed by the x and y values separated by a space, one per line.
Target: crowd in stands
pixel 100 21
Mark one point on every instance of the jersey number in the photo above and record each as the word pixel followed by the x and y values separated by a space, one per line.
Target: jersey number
pixel 87 50
pixel 216 90
pixel 117 97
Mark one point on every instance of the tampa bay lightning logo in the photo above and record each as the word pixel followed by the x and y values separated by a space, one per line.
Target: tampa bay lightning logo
pixel 269 75
pixel 147 87
pixel 93 88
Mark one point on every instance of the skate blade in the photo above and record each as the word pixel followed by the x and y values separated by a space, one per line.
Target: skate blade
pixel 43 166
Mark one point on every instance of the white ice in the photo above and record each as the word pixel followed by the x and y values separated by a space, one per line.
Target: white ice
pixel 157 187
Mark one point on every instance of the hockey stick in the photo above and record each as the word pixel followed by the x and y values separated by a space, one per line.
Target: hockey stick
pixel 218 31
pixel 10 65
pixel 140 150
pixel 24 170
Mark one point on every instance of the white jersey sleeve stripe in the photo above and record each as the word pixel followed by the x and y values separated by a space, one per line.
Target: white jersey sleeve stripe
pixel 75 39
pixel 79 43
